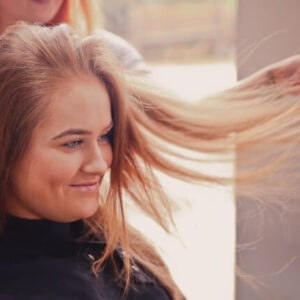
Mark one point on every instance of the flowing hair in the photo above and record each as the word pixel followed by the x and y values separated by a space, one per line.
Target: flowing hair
pixel 150 131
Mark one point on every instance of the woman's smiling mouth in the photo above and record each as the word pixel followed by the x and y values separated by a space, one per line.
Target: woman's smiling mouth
pixel 86 187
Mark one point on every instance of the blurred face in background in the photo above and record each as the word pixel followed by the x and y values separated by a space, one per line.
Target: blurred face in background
pixel 42 11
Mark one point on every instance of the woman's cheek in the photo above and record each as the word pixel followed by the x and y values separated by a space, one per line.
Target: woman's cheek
pixel 67 168
pixel 61 167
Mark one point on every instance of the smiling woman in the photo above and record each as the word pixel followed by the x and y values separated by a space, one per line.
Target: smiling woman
pixel 62 131
pixel 69 114
pixel 75 159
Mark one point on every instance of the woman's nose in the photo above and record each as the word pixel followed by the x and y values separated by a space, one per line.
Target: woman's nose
pixel 96 162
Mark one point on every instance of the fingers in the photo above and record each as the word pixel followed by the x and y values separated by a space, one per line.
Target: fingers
pixel 270 77
pixel 285 72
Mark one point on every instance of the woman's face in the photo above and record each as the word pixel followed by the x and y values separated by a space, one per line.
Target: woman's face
pixel 59 175
pixel 42 11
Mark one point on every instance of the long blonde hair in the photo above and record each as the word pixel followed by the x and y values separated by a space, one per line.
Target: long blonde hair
pixel 84 16
pixel 149 131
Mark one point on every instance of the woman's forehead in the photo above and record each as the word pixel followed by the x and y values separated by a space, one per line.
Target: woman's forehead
pixel 80 103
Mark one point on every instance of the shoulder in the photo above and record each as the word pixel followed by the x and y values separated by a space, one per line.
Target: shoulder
pixel 126 53
pixel 146 286
pixel 143 284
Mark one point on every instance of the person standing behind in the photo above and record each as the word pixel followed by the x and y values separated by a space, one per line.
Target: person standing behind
pixel 84 16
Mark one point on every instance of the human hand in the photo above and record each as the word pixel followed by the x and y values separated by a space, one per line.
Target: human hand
pixel 285 73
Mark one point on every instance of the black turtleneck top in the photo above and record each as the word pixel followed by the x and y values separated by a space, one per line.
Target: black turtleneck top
pixel 40 259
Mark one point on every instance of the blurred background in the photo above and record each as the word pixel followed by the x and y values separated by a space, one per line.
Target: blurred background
pixel 179 36
pixel 189 47
pixel 168 31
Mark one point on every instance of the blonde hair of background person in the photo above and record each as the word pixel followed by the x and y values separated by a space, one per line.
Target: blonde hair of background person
pixel 263 110
pixel 83 15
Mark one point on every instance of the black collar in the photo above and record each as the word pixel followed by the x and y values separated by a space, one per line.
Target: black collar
pixel 32 239
pixel 40 231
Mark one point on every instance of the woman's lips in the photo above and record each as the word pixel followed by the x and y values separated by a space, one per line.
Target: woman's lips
pixel 85 187
pixel 42 1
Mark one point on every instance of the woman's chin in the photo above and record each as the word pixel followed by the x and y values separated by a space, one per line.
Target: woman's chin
pixel 88 210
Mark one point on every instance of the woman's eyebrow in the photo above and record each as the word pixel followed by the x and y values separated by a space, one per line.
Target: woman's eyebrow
pixel 72 132
pixel 81 131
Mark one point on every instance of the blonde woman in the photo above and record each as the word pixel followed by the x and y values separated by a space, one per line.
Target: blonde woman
pixel 84 16
pixel 68 117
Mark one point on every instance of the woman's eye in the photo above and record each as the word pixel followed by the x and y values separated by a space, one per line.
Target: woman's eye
pixel 73 144
pixel 108 137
